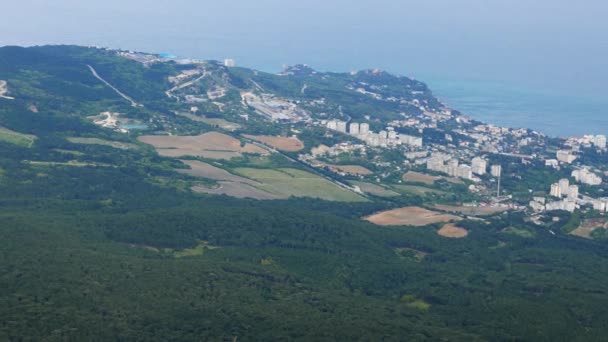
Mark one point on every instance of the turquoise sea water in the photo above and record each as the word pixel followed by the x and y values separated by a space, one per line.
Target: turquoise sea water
pixel 556 113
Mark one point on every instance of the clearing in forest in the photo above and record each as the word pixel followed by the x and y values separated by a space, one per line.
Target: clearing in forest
pixel 588 226
pixel 409 216
pixel 291 144
pixel 16 138
pixel 97 141
pixel 450 230
pixel 212 145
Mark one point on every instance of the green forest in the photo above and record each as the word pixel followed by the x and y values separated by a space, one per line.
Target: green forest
pixel 106 251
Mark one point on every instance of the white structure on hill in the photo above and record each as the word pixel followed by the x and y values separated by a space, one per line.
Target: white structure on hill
pixel 599 141
pixel 565 156
pixel 230 63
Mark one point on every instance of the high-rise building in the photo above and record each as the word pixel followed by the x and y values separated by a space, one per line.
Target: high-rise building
pixel 354 128
pixel 599 141
pixel 228 62
pixel 496 170
pixel 555 190
pixel 564 185
pixel 363 128
pixel 479 166
pixel 383 134
pixel 573 192
pixel 586 177
pixel 341 126
pixel 332 125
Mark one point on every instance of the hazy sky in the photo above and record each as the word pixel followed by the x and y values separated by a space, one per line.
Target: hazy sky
pixel 546 43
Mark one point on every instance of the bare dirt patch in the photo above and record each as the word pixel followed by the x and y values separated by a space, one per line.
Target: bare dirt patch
pixel 471 211
pixel 588 226
pixel 409 216
pixel 211 145
pixel 291 144
pixel 452 231
pixel 4 90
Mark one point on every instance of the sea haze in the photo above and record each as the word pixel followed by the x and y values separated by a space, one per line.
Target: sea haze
pixel 552 112
pixel 549 55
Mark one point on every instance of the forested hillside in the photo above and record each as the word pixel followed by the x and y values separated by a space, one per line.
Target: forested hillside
pixel 102 238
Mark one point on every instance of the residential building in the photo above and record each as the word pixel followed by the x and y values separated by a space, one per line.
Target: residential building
pixel 479 166
pixel 496 170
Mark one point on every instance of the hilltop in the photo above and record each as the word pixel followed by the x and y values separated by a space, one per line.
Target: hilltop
pixel 154 197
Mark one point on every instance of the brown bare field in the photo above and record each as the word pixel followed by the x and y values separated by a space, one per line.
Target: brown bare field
pixel 204 170
pixel 451 231
pixel 351 169
pixel 417 177
pixel 588 226
pixel 284 144
pixel 212 145
pixel 471 211
pixel 409 216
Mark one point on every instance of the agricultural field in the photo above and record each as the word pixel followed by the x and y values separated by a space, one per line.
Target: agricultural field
pixel 356 170
pixel 288 182
pixel 212 145
pixel 588 226
pixel 292 144
pixel 417 177
pixel 471 211
pixel 204 170
pixel 97 141
pixel 228 184
pixel 417 190
pixel 410 216
pixel 375 190
pixel 237 190
pixel 221 123
pixel 16 138
pixel 450 230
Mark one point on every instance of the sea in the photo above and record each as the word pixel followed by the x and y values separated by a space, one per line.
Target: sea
pixel 549 111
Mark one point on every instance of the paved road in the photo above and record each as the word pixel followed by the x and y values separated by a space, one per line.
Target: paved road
pixel 133 103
